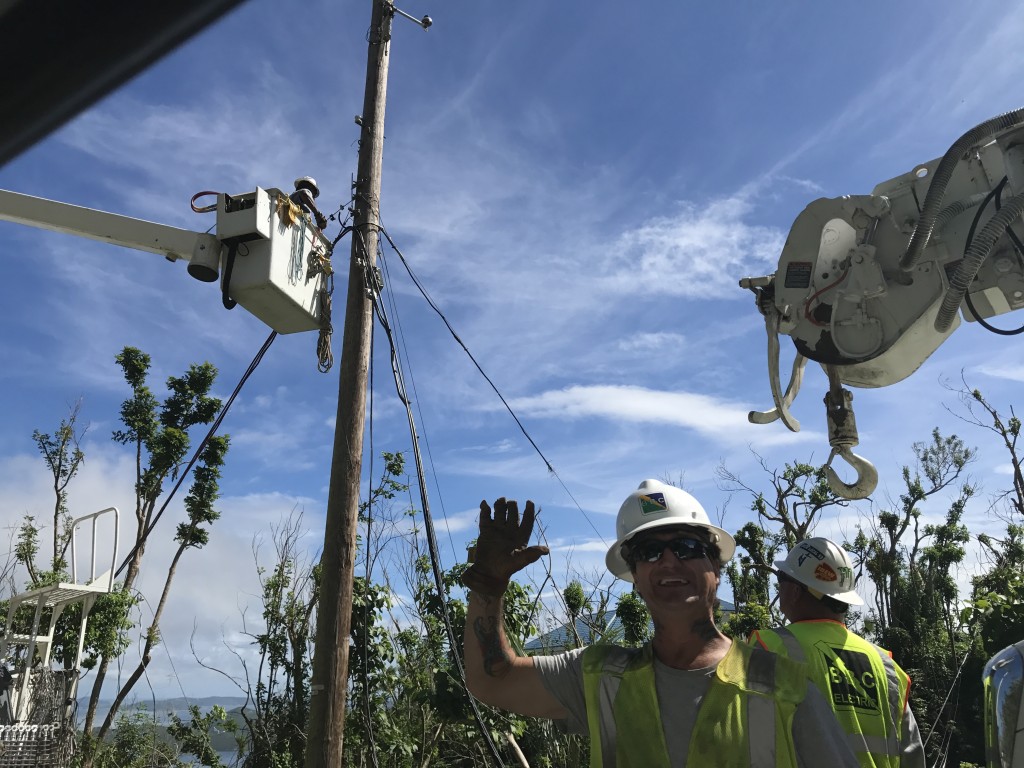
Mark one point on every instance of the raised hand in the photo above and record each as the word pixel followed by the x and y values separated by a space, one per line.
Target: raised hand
pixel 502 548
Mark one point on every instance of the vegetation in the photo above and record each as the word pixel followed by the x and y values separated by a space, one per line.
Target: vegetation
pixel 159 436
pixel 407 705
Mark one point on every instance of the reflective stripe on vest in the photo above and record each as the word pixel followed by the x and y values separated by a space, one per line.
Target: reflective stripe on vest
pixel 752 698
pixel 761 709
pixel 892 742
pixel 885 747
pixel 614 665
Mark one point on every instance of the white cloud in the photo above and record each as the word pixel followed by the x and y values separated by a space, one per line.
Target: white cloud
pixel 1009 372
pixel 698 252
pixel 713 418
pixel 652 342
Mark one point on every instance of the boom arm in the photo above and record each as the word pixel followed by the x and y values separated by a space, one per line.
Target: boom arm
pixel 172 243
pixel 275 260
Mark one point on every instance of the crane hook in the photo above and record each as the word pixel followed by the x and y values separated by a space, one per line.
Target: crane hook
pixel 867 475
pixel 842 436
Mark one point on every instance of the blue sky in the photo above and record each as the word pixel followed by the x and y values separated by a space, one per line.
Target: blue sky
pixel 578 186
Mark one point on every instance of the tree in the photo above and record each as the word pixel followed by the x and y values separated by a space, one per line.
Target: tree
pixel 997 604
pixel 159 434
pixel 787 513
pixel 911 566
pixel 793 505
pixel 63 456
pixel 193 735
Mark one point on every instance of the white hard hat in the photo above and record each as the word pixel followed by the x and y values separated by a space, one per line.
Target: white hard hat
pixel 656 505
pixel 824 567
pixel 308 183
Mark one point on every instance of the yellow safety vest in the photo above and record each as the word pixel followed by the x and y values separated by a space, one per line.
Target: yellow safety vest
pixel 866 688
pixel 744 721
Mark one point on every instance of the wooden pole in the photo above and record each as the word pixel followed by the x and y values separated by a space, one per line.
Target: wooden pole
pixel 329 681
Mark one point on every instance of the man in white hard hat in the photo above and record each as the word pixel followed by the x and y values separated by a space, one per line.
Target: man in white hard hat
pixel 867 690
pixel 690 696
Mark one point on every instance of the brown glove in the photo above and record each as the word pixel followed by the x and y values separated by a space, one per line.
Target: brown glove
pixel 502 547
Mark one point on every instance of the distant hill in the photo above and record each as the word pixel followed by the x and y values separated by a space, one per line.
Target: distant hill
pixel 162 708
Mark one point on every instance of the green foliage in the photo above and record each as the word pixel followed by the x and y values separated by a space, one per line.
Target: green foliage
pixel 575 600
pixel 996 608
pixel 635 618
pixel 159 433
pixel 194 735
pixel 109 629
pixel 63 457
pixel 750 573
pixel 752 617
pixel 912 567
pixel 137 742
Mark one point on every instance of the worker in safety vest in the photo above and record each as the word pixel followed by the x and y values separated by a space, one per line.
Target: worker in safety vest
pixel 1004 708
pixel 690 697
pixel 867 689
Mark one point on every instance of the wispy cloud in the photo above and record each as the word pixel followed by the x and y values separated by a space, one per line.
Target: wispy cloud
pixel 1008 371
pixel 696 252
pixel 719 420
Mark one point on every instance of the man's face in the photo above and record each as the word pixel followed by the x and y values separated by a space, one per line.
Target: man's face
pixel 670 583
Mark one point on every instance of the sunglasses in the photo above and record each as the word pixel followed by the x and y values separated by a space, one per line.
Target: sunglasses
pixel 651 550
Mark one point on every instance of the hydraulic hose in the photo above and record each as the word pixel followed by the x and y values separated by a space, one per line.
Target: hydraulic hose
pixel 940 180
pixel 979 250
pixel 953 210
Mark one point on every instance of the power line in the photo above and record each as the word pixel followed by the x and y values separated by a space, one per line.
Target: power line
pixel 426 439
pixel 487 378
pixel 428 523
pixel 195 456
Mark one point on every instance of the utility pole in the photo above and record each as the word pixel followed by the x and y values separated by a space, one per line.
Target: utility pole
pixel 329 683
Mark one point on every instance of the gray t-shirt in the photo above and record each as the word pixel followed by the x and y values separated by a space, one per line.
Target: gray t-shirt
pixel 817 735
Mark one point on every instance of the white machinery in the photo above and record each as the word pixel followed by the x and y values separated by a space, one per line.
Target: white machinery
pixel 868 286
pixel 272 257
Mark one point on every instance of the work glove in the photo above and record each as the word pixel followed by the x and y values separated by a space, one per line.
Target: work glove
pixel 502 547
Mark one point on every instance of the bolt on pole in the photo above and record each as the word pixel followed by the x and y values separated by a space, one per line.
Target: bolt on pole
pixel 329 680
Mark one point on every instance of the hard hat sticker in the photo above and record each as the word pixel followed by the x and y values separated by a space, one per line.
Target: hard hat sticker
pixel 846 577
pixel 653 502
pixel 809 550
pixel 824 572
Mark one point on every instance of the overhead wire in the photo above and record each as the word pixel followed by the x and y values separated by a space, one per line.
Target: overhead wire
pixel 428 524
pixel 198 452
pixel 953 686
pixel 487 378
pixel 388 285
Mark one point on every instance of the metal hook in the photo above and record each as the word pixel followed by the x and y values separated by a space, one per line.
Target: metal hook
pixel 842 436
pixel 867 475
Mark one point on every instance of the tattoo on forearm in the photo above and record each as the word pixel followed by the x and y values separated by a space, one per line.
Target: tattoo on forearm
pixel 705 629
pixel 497 661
